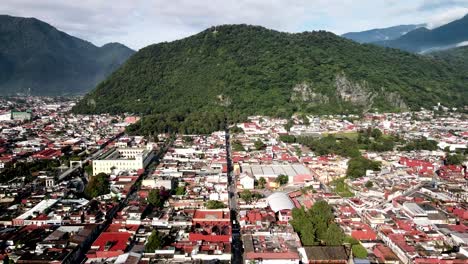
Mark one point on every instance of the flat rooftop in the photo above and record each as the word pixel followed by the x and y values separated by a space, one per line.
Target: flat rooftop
pixel 290 170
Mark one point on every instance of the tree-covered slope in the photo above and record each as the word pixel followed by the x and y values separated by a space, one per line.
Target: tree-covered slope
pixel 261 71
pixel 457 56
pixel 36 56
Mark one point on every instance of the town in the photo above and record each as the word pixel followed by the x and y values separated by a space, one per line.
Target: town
pixel 377 188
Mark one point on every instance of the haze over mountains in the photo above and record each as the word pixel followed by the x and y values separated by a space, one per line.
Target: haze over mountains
pixel 38 59
pixel 423 40
pixel 381 34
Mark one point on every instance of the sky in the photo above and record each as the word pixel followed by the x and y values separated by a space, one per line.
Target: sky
pixel 138 23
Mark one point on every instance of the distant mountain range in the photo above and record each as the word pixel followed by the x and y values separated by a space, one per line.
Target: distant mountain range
pixel 254 70
pixel 381 34
pixel 423 40
pixel 37 58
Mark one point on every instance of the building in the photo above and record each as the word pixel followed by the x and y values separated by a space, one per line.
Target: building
pixel 26 218
pixel 279 248
pixel 328 254
pixel 247 181
pixel 21 116
pixel 279 201
pixel 123 159
pixel 6 116
pixel 295 172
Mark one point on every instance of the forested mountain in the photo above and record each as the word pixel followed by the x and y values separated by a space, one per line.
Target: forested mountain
pixel 381 34
pixel 36 56
pixel 456 56
pixel 244 70
pixel 423 40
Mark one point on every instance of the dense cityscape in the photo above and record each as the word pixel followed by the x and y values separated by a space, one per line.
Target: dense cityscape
pixel 243 132
pixel 376 188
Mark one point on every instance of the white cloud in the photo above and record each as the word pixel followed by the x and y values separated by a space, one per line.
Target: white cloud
pixel 138 23
pixel 462 44
pixel 446 16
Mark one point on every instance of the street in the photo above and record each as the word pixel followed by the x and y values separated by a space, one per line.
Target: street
pixel 236 243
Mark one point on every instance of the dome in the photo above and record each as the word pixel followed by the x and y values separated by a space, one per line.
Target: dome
pixel 279 201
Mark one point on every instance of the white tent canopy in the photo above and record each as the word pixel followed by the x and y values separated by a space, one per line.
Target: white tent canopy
pixel 279 201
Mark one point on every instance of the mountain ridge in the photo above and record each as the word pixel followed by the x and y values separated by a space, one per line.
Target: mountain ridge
pixel 423 40
pixel 35 55
pixel 381 34
pixel 256 70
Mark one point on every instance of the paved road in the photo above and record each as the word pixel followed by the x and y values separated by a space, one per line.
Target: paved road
pixel 236 243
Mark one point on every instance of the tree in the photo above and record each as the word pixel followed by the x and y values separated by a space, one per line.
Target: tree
pixel 303 226
pixel 308 234
pixel 88 169
pixel 369 184
pixel 261 183
pixel 237 146
pixel 287 138
pixel 180 190
pixel 282 179
pixel 259 145
pixel 188 139
pixel 322 210
pixel 288 125
pixel 420 144
pixel 155 241
pixel 155 199
pixel 358 166
pixel 454 159
pixel 214 204
pixel 376 133
pixel 98 185
pixel 247 196
pixel 359 251
pixel 305 120
pixel 334 235
pixel 316 226
pixel 236 130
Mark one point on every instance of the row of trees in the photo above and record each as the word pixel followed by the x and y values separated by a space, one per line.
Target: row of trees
pixel 200 122
pixel 316 226
pixel 420 144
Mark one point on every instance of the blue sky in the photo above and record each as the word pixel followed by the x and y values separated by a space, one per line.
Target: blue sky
pixel 138 23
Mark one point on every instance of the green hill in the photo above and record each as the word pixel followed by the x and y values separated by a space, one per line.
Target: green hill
pixel 457 56
pixel 262 71
pixel 36 56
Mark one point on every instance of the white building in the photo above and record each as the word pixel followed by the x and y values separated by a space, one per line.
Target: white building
pixel 247 181
pixel 123 159
pixel 5 116
pixel 153 183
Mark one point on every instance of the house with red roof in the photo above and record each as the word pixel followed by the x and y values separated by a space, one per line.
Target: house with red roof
pixel 109 245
